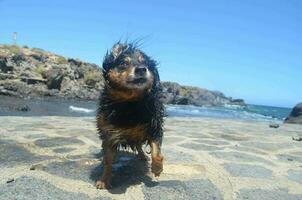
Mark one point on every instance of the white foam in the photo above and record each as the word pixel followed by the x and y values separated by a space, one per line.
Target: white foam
pixel 233 106
pixel 79 109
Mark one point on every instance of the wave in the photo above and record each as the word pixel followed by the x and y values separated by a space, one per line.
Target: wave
pixel 80 109
pixel 216 112
pixel 233 106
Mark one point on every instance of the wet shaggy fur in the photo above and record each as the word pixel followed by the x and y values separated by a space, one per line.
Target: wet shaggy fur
pixel 130 113
pixel 128 117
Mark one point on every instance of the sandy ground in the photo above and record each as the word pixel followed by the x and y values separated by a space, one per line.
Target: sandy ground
pixel 60 158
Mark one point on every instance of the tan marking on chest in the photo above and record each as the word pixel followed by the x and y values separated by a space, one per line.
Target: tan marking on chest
pixel 126 95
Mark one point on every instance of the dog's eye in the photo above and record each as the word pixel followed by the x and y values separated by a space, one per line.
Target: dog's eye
pixel 123 66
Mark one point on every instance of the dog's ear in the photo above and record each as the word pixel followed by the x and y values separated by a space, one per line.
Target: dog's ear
pixel 117 49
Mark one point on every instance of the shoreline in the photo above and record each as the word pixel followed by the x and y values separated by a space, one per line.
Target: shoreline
pixel 11 106
pixel 183 118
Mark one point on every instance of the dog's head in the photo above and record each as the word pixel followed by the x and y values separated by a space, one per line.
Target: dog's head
pixel 129 72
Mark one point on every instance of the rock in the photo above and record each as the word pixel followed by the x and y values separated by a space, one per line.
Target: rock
pixel 274 125
pixel 4 76
pixel 181 100
pixel 168 98
pixel 4 67
pixel 37 167
pixel 54 78
pixel 18 58
pixel 39 57
pixel 239 102
pixel 298 139
pixel 74 61
pixel 295 117
pixel 69 85
pixel 32 80
pixel 24 108
pixel 7 92
pixel 30 76
pixel 13 88
pixel 186 95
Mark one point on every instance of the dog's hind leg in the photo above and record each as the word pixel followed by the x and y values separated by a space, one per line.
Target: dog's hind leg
pixel 141 153
pixel 105 181
pixel 157 158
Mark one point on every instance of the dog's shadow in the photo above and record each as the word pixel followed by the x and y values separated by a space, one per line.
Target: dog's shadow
pixel 128 170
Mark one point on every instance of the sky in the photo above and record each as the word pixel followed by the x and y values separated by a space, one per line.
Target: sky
pixel 249 49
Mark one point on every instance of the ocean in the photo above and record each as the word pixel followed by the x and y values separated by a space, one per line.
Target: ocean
pixel 59 107
pixel 251 112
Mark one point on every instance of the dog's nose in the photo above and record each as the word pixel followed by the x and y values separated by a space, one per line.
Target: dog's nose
pixel 140 71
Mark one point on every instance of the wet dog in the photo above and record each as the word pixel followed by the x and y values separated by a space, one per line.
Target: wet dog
pixel 130 113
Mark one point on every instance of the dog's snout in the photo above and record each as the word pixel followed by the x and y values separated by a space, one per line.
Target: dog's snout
pixel 140 71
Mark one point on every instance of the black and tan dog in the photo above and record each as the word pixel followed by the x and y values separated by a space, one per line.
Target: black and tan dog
pixel 130 112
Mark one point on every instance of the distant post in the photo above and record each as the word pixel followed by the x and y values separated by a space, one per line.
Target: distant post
pixel 15 38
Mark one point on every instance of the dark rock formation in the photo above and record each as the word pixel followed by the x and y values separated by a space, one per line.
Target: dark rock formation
pixel 23 108
pixel 34 72
pixel 274 125
pixel 54 78
pixel 3 66
pixel 26 72
pixel 295 117
pixel 187 95
pixel 239 102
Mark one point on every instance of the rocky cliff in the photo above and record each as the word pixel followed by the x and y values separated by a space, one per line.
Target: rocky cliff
pixel 295 117
pixel 187 95
pixel 26 72
pixel 34 72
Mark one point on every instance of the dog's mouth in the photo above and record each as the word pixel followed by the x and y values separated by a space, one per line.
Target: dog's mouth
pixel 138 81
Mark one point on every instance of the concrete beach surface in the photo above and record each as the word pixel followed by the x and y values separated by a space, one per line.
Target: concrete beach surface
pixel 60 158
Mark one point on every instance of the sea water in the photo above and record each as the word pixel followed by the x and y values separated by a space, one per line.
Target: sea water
pixel 59 107
pixel 249 112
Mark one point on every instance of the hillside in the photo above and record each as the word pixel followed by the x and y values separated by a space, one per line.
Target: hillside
pixel 32 72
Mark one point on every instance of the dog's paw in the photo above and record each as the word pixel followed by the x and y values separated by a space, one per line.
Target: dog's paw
pixel 157 165
pixel 103 184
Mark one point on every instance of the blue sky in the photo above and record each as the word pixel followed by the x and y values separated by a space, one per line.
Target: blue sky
pixel 248 49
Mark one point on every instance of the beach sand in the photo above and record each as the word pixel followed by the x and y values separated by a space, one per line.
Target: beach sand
pixel 60 158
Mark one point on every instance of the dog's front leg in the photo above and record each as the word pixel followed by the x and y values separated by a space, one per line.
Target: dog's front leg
pixel 157 158
pixel 141 153
pixel 105 181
